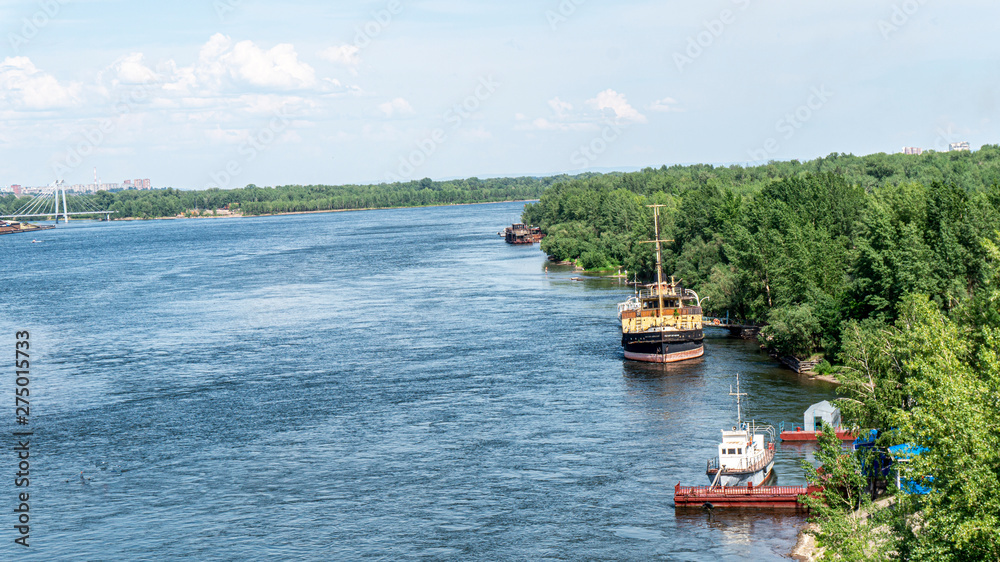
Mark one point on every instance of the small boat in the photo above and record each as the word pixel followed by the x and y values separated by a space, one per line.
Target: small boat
pixel 746 454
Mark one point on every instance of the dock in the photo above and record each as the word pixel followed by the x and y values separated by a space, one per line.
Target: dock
pixel 799 435
pixel 738 328
pixel 760 497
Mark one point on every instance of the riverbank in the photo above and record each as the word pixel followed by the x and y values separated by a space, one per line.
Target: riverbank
pixel 241 215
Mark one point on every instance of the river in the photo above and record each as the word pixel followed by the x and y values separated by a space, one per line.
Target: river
pixel 389 384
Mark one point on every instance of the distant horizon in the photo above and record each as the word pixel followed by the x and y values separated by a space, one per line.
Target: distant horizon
pixel 597 170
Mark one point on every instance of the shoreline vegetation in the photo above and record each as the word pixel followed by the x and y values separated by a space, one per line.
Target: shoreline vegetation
pixel 258 201
pixel 241 215
pixel 886 265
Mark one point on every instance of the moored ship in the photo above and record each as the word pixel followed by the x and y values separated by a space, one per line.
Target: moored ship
pixel 746 454
pixel 522 234
pixel 662 323
pixel 14 227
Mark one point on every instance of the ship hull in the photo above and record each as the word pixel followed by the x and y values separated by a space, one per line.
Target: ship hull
pixel 663 347
pixel 732 478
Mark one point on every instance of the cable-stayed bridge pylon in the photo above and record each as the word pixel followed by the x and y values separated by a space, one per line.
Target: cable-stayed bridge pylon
pixel 47 204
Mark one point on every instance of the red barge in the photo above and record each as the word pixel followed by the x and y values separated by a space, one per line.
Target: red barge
pixel 766 497
pixel 800 435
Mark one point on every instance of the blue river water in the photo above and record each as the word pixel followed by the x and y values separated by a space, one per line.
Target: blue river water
pixel 395 384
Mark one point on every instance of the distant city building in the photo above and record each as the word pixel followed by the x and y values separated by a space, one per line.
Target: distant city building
pixel 912 150
pixel 16 189
pixel 956 146
pixel 137 184
pixel 127 184
pixel 146 184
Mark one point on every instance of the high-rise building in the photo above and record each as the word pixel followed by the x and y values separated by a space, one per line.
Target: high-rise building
pixel 16 189
pixel 912 150
pixel 127 183
pixel 956 146
pixel 145 183
pixel 137 184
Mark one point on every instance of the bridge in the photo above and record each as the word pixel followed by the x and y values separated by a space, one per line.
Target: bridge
pixel 738 327
pixel 46 205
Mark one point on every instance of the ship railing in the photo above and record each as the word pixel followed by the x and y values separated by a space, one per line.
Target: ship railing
pixel 631 304
pixel 746 490
pixel 744 464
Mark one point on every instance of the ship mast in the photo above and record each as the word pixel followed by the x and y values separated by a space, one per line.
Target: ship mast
pixel 737 394
pixel 659 259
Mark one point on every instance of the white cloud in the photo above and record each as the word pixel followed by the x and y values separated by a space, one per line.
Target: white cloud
pixel 478 134
pixel 560 107
pixel 131 70
pixel 278 67
pixel 612 100
pixel 223 66
pixel 346 55
pixel 23 86
pixel 543 124
pixel 218 135
pixel 396 106
pixel 665 105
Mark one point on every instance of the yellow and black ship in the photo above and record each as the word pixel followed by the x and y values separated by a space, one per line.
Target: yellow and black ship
pixel 662 323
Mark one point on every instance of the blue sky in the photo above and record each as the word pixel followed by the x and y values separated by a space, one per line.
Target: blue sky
pixel 225 93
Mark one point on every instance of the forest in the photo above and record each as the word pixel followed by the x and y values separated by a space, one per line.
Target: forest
pixel 886 265
pixel 804 247
pixel 253 200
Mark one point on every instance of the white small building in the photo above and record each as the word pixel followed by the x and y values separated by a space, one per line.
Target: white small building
pixel 820 414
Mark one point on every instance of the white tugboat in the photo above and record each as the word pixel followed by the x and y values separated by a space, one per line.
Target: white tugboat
pixel 746 454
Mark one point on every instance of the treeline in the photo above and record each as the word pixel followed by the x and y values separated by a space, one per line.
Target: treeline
pixel 253 200
pixel 930 381
pixel 805 247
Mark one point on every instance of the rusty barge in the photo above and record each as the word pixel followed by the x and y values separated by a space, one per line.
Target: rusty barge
pixel 14 227
pixel 520 233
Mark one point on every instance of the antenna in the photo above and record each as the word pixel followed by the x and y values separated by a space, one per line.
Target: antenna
pixel 737 394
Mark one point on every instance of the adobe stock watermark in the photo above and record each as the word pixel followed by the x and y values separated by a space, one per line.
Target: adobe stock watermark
pixel 225 7
pixel 93 137
pixel 455 117
pixel 250 149
pixel 697 44
pixel 588 153
pixel 945 137
pixel 901 15
pixel 563 12
pixel 788 125
pixel 380 21
pixel 48 10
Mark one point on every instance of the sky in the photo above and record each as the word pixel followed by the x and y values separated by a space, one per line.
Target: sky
pixel 225 93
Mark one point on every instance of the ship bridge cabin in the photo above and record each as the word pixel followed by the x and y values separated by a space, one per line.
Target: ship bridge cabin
pixel 739 449
pixel 680 310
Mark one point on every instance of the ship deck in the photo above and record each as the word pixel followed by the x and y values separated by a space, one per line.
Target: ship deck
pixel 761 497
